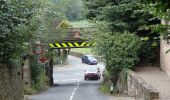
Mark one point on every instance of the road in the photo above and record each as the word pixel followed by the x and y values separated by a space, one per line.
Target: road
pixel 70 84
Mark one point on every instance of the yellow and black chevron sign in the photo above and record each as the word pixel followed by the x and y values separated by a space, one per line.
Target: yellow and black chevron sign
pixel 60 45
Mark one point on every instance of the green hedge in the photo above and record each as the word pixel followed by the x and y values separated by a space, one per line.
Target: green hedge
pixel 120 51
pixel 38 77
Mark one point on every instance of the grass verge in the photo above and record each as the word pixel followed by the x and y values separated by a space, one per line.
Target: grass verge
pixel 82 23
pixel 105 88
pixel 83 50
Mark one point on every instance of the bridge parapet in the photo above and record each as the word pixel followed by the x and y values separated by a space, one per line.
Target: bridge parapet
pixel 76 34
pixel 75 38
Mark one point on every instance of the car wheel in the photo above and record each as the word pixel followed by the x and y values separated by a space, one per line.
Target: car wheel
pixel 85 78
pixel 97 78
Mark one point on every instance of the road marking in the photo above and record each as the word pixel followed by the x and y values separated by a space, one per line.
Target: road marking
pixel 78 83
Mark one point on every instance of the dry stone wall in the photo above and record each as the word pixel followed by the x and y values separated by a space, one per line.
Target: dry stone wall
pixel 11 85
pixel 139 89
pixel 27 72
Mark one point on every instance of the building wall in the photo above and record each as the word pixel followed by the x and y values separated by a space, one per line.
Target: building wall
pixel 165 57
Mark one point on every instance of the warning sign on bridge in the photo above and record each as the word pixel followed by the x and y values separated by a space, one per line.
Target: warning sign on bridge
pixel 61 45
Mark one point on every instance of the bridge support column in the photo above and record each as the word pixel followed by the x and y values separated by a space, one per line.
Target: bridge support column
pixel 51 72
pixel 63 53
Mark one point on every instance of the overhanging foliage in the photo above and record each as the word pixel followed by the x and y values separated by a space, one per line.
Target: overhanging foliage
pixel 13 14
pixel 120 51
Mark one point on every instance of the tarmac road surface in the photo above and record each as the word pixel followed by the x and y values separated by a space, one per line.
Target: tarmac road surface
pixel 70 84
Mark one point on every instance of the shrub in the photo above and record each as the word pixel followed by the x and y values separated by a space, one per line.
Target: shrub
pixel 29 90
pixel 37 75
pixel 120 51
pixel 105 86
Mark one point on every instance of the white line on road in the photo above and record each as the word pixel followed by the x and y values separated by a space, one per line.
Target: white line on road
pixel 78 83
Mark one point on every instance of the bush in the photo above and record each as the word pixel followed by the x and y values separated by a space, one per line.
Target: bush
pixel 14 14
pixel 39 79
pixel 57 60
pixel 120 51
pixel 105 86
pixel 29 90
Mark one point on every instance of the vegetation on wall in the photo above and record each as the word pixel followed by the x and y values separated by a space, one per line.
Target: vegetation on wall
pixel 38 77
pixel 38 74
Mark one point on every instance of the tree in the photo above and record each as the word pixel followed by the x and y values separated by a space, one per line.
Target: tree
pixel 41 27
pixel 120 51
pixel 13 14
pixel 124 20
pixel 73 9
pixel 133 16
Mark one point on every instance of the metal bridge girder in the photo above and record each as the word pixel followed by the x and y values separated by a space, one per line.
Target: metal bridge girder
pixel 64 45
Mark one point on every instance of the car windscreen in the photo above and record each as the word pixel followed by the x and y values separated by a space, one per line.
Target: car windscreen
pixel 92 70
pixel 91 58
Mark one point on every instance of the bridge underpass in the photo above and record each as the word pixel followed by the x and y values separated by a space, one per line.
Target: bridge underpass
pixel 69 83
pixel 65 46
pixel 73 39
pixel 68 79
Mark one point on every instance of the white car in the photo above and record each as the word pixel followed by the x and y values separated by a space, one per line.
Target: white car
pixel 92 72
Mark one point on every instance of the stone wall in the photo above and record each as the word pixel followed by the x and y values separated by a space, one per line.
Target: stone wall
pixel 165 57
pixel 11 85
pixel 139 89
pixel 27 72
pixel 122 82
